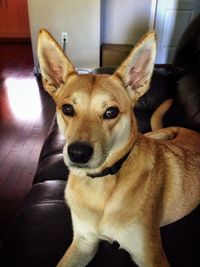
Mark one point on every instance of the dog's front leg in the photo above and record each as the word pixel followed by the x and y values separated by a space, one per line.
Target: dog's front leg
pixel 80 252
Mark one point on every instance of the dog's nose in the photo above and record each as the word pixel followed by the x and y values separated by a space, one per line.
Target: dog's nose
pixel 80 152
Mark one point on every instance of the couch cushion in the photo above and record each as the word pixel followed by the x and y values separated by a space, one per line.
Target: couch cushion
pixel 188 49
pixel 185 111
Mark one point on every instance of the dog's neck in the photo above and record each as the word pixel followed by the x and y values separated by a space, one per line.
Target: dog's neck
pixel 112 169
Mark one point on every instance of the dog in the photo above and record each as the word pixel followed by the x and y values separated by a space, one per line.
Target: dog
pixel 122 185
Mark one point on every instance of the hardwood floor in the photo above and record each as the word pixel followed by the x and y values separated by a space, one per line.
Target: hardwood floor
pixel 26 112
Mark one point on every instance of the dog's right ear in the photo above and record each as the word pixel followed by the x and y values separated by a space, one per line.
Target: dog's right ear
pixel 54 65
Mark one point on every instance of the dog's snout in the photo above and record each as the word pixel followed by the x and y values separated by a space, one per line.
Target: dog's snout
pixel 80 152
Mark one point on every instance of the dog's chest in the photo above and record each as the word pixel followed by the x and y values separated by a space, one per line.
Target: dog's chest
pixel 90 196
pixel 99 208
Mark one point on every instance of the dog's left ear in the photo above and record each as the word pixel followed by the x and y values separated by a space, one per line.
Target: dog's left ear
pixel 136 70
pixel 54 65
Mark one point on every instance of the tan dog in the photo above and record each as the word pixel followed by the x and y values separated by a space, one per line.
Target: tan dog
pixel 122 186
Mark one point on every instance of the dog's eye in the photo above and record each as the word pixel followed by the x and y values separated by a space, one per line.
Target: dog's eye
pixel 111 113
pixel 68 110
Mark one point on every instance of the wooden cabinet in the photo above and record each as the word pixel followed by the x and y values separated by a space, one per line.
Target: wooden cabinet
pixel 14 22
pixel 112 55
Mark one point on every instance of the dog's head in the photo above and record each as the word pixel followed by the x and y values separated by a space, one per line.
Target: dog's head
pixel 94 112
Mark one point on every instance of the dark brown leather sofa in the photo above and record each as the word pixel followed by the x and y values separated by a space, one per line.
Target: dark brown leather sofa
pixel 41 231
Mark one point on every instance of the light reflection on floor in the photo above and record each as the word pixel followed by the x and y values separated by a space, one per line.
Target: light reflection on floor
pixel 23 97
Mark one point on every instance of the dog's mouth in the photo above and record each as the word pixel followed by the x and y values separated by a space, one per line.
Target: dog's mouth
pixel 85 160
pixel 99 170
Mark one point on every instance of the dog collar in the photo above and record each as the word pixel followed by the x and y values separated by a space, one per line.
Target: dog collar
pixel 111 170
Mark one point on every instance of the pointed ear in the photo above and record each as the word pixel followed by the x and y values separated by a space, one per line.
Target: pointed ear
pixel 54 65
pixel 136 70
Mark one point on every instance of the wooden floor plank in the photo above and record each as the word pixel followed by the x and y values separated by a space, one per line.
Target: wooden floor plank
pixel 26 112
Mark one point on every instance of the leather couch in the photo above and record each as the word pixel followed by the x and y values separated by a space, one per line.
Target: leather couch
pixel 42 231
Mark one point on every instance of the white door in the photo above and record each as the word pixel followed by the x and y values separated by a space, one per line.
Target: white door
pixel 170 20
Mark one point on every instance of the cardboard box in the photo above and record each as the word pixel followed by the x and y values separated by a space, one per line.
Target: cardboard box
pixel 113 54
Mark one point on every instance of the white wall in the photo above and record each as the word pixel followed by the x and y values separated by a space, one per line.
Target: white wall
pixel 79 18
pixel 117 21
pixel 124 21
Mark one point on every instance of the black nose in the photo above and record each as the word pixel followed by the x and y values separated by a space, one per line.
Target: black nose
pixel 80 152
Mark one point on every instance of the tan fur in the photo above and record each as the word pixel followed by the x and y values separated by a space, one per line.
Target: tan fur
pixel 159 182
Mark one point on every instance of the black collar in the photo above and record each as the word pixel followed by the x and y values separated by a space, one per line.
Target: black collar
pixel 111 170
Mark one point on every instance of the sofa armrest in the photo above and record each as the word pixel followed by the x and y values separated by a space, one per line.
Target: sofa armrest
pixel 41 230
pixel 51 165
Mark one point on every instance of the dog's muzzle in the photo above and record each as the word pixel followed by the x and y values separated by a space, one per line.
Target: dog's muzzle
pixel 80 152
